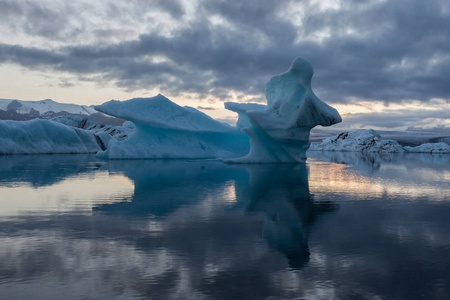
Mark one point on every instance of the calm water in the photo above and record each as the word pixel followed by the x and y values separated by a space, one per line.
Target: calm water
pixel 342 226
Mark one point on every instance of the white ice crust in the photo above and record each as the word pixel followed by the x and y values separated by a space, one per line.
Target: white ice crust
pixel 280 132
pixel 39 136
pixel 160 112
pixel 118 132
pixel 366 140
pixel 441 147
pixel 167 130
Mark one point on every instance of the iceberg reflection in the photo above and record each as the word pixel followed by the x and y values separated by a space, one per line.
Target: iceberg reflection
pixel 40 170
pixel 279 192
pixel 48 184
pixel 163 186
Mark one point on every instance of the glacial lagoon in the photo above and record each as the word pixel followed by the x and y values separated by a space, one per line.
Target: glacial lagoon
pixel 341 226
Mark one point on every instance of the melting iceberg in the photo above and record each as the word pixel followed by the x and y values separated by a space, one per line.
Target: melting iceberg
pixel 45 137
pixel 167 130
pixel 280 132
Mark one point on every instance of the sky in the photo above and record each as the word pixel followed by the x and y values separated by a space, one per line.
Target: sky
pixel 382 64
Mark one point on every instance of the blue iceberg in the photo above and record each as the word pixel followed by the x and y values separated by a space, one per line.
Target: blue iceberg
pixel 167 130
pixel 280 132
pixel 39 136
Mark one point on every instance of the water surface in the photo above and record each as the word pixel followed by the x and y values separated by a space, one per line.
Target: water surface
pixel 341 226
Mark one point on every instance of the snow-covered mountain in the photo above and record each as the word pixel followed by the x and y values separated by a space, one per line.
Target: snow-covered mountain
pixel 19 110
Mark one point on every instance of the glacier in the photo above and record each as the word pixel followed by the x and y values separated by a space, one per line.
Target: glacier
pixel 40 136
pixel 167 130
pixel 279 133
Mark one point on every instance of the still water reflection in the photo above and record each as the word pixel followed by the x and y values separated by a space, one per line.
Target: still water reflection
pixel 342 226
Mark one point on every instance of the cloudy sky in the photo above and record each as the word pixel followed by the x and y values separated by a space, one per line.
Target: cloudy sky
pixel 382 64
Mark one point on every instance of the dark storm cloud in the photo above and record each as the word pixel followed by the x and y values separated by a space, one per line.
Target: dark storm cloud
pixel 64 21
pixel 30 57
pixel 389 51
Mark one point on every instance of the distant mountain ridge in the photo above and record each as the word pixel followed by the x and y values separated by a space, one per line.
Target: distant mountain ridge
pixel 20 110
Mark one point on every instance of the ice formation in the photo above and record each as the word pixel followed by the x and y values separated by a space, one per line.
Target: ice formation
pixel 119 132
pixel 441 147
pixel 368 140
pixel 167 130
pixel 280 132
pixel 241 109
pixel 45 137
pixel 357 141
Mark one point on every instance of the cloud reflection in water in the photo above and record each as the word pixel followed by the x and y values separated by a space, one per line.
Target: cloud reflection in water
pixel 203 229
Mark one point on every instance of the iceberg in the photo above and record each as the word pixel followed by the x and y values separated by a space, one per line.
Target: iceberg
pixel 40 136
pixel 441 148
pixel 167 130
pixel 280 132
pixel 365 140
pixel 369 140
